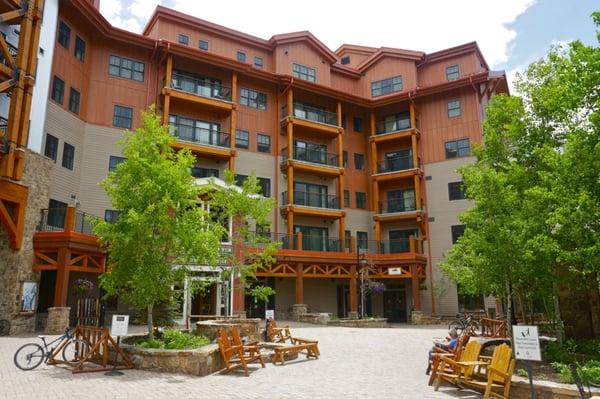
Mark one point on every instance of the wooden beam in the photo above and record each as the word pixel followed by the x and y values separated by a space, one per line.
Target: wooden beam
pixel 233 118
pixel 339 113
pixel 62 278
pixel 413 117
pixel 11 17
pixel 418 201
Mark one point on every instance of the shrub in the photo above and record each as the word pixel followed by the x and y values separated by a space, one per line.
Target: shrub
pixel 522 373
pixel 150 344
pixel 174 339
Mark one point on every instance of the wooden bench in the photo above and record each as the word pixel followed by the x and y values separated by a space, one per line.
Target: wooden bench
pixel 311 348
pixel 235 356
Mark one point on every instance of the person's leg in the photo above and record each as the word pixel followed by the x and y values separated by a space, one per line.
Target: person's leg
pixel 430 359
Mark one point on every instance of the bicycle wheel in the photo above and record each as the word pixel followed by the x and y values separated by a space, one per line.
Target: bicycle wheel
pixel 29 356
pixel 75 350
pixel 458 326
pixel 4 327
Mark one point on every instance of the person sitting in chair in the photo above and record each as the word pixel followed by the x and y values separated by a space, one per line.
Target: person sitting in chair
pixel 448 345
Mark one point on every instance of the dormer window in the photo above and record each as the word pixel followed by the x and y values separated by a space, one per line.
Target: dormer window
pixel 241 56
pixel 345 60
pixel 183 39
pixel 452 72
pixel 386 86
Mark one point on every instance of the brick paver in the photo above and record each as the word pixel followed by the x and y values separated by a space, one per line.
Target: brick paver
pixel 354 363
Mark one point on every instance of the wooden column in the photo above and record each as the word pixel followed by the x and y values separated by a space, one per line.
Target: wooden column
pixel 352 244
pixel 415 150
pixel 299 241
pixel 376 196
pixel 415 287
pixel 61 287
pixel 167 99
pixel 377 231
pixel 290 102
pixel 233 120
pixel 342 233
pixel 352 289
pixel 290 168
pixel 70 218
pixel 418 191
pixel 413 116
pixel 299 284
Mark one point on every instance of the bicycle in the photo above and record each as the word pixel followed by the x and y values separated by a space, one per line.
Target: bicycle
pixel 464 323
pixel 4 327
pixel 31 355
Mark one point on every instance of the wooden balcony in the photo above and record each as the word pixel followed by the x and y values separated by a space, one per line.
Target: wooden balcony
pixel 205 142
pixel 310 121
pixel 395 210
pixel 216 98
pixel 392 135
pixel 313 162
pixel 312 204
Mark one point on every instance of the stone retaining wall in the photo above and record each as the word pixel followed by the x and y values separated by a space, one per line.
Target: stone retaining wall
pixel 315 318
pixel 544 390
pixel 359 323
pixel 247 328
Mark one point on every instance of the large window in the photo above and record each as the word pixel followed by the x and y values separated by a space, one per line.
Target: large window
pixel 64 34
pixel 263 143
pixel 458 148
pixel 453 108
pixel 252 98
pixel 456 191
pixel 51 148
pixel 457 231
pixel 198 131
pixel 199 172
pixel 359 161
pixel 68 156
pixel 58 89
pixel 386 86
pixel 242 138
pixel 114 161
pixel 111 216
pixel 79 48
pixel 74 98
pixel 361 200
pixel 304 72
pixel 452 72
pixel 263 182
pixel 122 116
pixel 126 68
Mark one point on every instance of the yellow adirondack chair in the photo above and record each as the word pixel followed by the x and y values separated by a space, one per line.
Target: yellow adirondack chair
pixel 451 370
pixel 498 375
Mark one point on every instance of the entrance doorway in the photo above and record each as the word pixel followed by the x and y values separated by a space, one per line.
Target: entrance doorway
pixel 394 304
pixel 204 302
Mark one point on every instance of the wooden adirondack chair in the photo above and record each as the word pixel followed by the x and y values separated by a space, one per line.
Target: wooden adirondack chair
pixel 278 334
pixel 450 369
pixel 439 354
pixel 250 349
pixel 234 355
pixel 497 376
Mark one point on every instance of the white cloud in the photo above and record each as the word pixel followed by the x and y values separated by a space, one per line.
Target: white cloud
pixel 417 25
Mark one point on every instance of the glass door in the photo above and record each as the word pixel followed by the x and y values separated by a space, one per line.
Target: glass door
pixel 402 200
pixel 310 194
pixel 399 240
pixel 398 160
pixel 207 132
pixel 313 238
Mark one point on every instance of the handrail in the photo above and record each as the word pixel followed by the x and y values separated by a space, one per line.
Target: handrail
pixel 313 199
pixel 201 135
pixel 395 164
pixel 200 87
pixel 65 219
pixel 399 205
pixel 396 125
pixel 313 114
pixel 312 156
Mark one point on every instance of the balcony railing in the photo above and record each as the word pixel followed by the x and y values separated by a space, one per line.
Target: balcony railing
pixel 200 87
pixel 54 219
pixel 3 126
pixel 312 156
pixel 13 52
pixel 399 205
pixel 387 247
pixel 313 114
pixel 313 199
pixel 393 126
pixel 201 135
pixel 395 164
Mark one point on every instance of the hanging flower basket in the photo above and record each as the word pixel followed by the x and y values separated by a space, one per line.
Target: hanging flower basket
pixel 82 286
pixel 376 287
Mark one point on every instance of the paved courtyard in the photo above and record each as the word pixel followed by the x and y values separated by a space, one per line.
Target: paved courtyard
pixel 354 363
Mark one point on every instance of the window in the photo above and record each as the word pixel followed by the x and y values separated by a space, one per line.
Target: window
pixel 252 98
pixel 452 72
pixel 343 121
pixel 183 39
pixel 265 186
pixel 401 200
pixel 263 143
pixel 111 216
pixel 241 56
pixel 64 34
pixel 126 68
pixel 199 172
pixel 68 156
pixel 51 149
pixel 58 89
pixel 357 124
pixel 114 161
pixel 362 239
pixel 347 238
pixel 456 191
pixel 242 138
pixel 74 98
pixel 361 200
pixel 396 122
pixel 304 72
pixel 347 198
pixel 457 231
pixel 79 48
pixel 453 108
pixel 359 161
pixel 203 45
pixel 122 116
pixel 345 158
pixel 458 148
pixel 386 86
pixel 345 60
pixel 258 62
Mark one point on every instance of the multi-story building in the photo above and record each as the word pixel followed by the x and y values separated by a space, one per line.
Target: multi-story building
pixel 358 146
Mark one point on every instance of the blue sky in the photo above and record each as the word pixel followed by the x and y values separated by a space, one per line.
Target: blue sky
pixel 511 33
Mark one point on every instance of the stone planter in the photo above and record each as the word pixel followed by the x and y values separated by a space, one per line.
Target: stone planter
pixel 544 390
pixel 359 323
pixel 315 318
pixel 247 328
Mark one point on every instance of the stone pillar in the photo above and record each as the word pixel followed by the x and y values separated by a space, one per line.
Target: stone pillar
pixel 298 309
pixel 416 317
pixel 352 315
pixel 58 319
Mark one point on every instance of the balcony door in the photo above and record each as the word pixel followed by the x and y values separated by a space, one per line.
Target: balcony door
pixel 207 132
pixel 398 160
pixel 399 121
pixel 310 152
pixel 399 240
pixel 310 194
pixel 402 200
pixel 313 238
pixel 310 112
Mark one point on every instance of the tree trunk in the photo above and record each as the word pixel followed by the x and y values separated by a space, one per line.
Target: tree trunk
pixel 509 312
pixel 150 321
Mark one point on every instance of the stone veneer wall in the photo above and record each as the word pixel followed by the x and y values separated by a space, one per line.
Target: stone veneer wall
pixel 15 266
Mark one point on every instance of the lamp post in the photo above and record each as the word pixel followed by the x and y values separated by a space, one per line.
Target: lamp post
pixel 361 263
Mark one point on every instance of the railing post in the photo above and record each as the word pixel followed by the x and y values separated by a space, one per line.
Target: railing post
pixel 70 218
pixel 411 244
pixel 352 244
pixel 299 241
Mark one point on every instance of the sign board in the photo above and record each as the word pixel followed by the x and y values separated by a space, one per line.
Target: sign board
pixel 269 314
pixel 527 343
pixel 120 323
pixel 394 271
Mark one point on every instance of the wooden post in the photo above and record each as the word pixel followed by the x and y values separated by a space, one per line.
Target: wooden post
pixel 299 284
pixel 377 231
pixel 340 150
pixel 339 113
pixel 417 191
pixel 167 100
pixel 411 244
pixel 342 234
pixel 70 218
pixel 233 120
pixel 290 102
pixel 376 197
pixel 352 289
pixel 415 150
pixel 290 184
pixel 373 123
pixel 290 224
pixel 299 241
pixel 414 271
pixel 62 278
pixel 413 117
pixel 352 244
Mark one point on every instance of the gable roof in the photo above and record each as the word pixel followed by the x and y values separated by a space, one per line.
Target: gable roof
pixel 454 51
pixel 304 36
pixel 385 52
